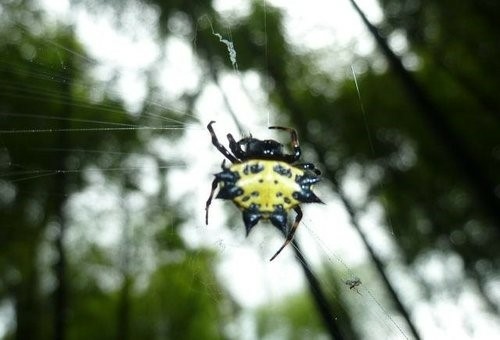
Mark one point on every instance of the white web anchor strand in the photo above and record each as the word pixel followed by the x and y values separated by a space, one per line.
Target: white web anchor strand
pixel 230 49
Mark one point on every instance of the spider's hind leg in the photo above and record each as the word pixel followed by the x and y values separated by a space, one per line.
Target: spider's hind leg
pixel 281 220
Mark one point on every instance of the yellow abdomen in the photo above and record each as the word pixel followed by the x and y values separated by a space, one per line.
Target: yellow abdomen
pixel 267 184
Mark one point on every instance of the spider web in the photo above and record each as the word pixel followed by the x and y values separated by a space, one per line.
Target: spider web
pixel 128 241
pixel 111 235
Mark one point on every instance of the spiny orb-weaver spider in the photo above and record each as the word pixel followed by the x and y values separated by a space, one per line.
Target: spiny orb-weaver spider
pixel 264 182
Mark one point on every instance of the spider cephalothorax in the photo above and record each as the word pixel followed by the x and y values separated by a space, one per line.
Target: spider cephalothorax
pixel 264 182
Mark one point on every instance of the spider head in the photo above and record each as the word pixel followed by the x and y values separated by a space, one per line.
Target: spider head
pixel 265 149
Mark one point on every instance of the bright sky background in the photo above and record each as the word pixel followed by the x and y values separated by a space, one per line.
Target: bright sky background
pixel 326 232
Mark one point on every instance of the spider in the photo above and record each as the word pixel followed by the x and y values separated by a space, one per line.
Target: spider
pixel 264 182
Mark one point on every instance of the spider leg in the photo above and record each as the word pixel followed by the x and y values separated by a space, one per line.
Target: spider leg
pixel 215 182
pixel 295 143
pixel 236 146
pixel 308 166
pixel 218 145
pixel 291 233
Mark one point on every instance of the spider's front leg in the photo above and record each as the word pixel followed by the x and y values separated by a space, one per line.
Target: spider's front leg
pixel 295 143
pixel 218 145
pixel 236 146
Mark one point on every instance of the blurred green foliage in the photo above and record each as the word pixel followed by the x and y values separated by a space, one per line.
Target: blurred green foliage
pixel 55 146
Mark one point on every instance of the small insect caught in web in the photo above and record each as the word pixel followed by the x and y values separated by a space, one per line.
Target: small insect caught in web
pixel 353 284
